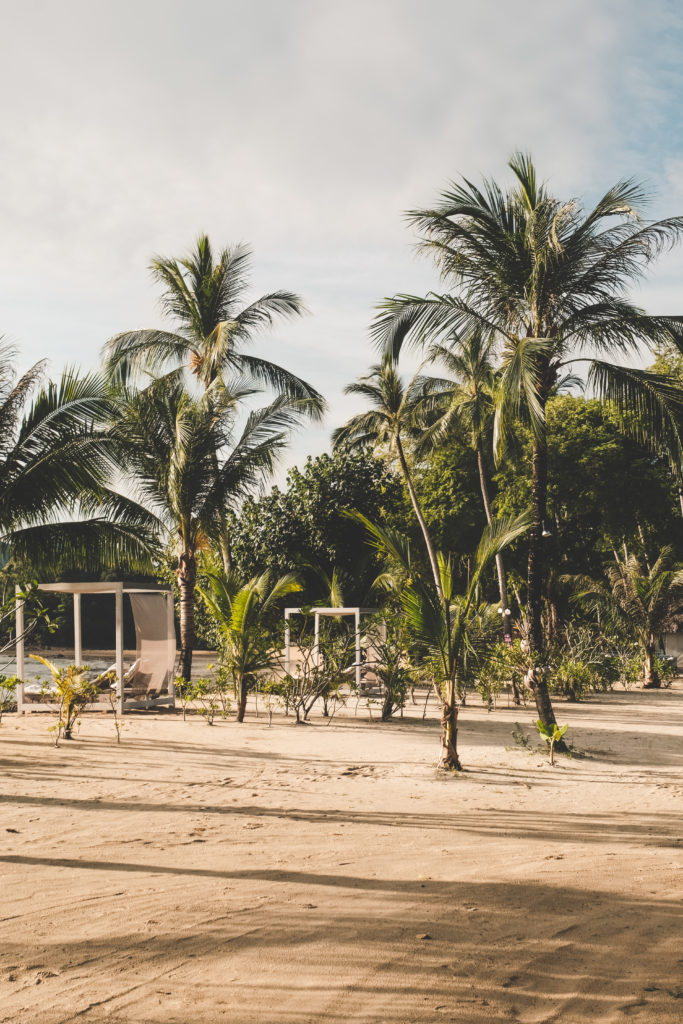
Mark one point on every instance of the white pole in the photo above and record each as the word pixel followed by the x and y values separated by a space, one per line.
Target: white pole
pixel 287 644
pixel 119 644
pixel 19 648
pixel 316 646
pixel 78 642
pixel 358 649
pixel 170 628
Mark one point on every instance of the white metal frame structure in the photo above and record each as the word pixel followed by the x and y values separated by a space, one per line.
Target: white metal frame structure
pixel 118 590
pixel 333 613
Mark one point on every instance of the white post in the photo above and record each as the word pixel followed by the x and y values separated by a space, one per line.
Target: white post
pixel 316 644
pixel 78 643
pixel 358 649
pixel 288 664
pixel 170 625
pixel 119 644
pixel 19 648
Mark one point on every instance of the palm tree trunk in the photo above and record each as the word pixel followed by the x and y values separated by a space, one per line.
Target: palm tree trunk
pixel 242 706
pixel 539 490
pixel 449 729
pixel 187 579
pixel 651 680
pixel 420 518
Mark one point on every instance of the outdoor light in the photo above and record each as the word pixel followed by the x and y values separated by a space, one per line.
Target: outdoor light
pixel 544 532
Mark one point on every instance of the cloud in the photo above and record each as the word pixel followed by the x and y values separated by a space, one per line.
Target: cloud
pixel 304 127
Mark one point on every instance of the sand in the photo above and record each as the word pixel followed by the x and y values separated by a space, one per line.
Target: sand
pixel 328 873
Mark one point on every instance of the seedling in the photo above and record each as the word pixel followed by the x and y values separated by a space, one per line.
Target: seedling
pixel 74 692
pixel 551 735
pixel 114 701
pixel 8 697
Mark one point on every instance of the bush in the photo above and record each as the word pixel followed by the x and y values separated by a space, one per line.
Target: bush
pixel 574 679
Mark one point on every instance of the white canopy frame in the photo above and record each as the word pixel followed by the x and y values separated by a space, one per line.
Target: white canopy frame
pixel 118 590
pixel 333 613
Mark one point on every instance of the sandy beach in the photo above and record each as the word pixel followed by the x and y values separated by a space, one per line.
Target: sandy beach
pixel 328 873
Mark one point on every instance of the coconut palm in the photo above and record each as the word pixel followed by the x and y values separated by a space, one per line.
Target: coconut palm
pixel 643 597
pixel 187 462
pixel 57 457
pixel 467 398
pixel 241 611
pixel 550 281
pixel 391 419
pixel 446 623
pixel 204 298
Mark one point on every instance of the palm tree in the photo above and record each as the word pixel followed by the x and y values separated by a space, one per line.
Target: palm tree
pixel 391 418
pixel 551 282
pixel 643 597
pixel 445 622
pixel 241 611
pixel 204 297
pixel 57 458
pixel 467 397
pixel 187 463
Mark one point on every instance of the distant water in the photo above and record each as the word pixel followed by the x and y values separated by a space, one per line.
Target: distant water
pixel 33 670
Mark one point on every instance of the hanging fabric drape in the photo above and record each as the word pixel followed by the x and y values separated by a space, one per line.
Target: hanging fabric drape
pixel 154 648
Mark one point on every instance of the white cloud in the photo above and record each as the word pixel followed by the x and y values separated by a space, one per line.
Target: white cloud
pixel 304 127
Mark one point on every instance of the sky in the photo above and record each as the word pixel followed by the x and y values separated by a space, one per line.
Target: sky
pixel 305 128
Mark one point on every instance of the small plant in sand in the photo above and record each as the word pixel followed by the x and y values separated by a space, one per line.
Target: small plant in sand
pixel 184 691
pixel 73 693
pixel 551 735
pixel 8 697
pixel 108 680
pixel 520 737
pixel 392 667
pixel 209 701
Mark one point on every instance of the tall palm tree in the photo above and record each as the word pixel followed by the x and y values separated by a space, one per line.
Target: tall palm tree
pixel 204 297
pixel 550 280
pixel 57 458
pixel 391 419
pixel 445 622
pixel 643 597
pixel 467 397
pixel 187 462
pixel 241 611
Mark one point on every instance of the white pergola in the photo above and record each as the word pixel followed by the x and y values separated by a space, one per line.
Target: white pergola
pixel 332 613
pixel 118 590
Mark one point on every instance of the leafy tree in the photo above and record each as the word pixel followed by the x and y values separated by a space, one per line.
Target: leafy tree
pixel 643 596
pixel 188 462
pixel 304 525
pixel 204 297
pixel 604 490
pixel 551 281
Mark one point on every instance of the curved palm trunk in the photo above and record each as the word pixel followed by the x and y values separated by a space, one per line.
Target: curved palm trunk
pixel 187 579
pixel 539 490
pixel 449 729
pixel 651 680
pixel 420 518
pixel 224 537
pixel 500 565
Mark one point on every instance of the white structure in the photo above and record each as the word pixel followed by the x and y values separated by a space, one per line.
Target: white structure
pixel 151 676
pixel 333 613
